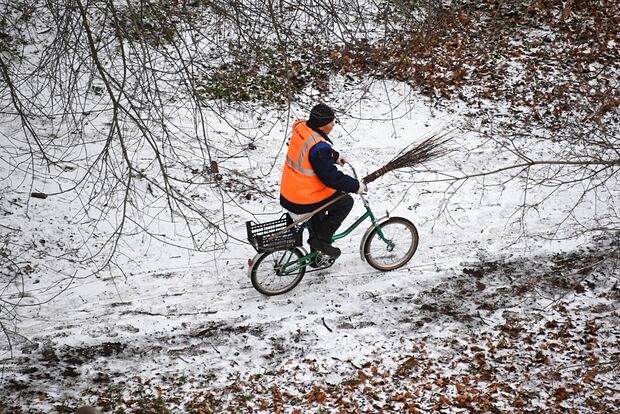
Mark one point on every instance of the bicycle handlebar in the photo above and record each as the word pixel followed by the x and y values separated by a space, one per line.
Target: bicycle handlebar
pixel 355 175
pixel 354 172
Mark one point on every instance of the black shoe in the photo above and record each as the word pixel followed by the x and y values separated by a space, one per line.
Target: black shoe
pixel 324 247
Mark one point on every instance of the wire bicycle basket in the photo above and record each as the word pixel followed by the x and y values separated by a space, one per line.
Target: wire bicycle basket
pixel 263 236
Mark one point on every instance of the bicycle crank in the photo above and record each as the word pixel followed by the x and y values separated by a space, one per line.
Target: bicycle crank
pixel 323 260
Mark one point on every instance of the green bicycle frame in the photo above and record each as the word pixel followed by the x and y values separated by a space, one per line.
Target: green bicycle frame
pixel 286 266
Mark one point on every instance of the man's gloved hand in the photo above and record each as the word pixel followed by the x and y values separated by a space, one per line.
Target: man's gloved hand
pixel 362 190
pixel 341 161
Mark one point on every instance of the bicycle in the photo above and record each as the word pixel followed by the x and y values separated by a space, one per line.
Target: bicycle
pixel 281 261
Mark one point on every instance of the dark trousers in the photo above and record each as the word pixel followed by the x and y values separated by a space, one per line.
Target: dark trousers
pixel 326 222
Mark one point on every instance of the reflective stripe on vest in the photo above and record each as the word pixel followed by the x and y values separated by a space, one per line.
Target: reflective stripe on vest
pixel 298 165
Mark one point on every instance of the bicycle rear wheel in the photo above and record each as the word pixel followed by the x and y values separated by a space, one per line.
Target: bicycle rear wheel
pixel 402 237
pixel 277 272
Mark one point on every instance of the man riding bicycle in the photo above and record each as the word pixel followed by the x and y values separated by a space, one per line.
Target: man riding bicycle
pixel 310 178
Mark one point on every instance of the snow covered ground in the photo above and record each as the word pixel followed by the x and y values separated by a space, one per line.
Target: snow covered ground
pixel 484 309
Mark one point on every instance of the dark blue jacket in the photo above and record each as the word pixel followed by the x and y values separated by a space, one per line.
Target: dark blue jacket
pixel 323 160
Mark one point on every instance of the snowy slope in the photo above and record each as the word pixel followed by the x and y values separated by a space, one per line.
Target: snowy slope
pixel 169 312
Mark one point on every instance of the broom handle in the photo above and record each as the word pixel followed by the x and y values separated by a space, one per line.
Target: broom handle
pixel 305 217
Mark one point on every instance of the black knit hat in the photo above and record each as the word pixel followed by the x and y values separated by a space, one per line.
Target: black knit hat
pixel 321 115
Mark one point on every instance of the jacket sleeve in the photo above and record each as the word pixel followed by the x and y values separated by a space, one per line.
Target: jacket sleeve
pixel 323 159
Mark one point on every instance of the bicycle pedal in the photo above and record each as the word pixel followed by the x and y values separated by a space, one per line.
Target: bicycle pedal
pixel 312 263
pixel 323 260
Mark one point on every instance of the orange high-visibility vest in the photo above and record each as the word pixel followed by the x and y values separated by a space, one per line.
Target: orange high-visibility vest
pixel 299 184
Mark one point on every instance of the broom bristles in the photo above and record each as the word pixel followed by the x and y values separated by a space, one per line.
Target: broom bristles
pixel 433 147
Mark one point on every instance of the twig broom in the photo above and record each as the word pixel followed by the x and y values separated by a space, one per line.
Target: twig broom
pixel 432 147
pixel 435 146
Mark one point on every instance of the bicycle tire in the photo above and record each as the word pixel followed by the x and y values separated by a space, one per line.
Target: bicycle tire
pixel 265 269
pixel 400 231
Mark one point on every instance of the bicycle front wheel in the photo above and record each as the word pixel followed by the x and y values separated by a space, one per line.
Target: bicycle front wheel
pixel 395 248
pixel 277 272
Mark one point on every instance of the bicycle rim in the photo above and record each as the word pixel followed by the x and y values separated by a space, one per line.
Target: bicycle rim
pixel 383 256
pixel 267 276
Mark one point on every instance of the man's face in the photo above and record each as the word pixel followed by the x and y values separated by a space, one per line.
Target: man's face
pixel 327 128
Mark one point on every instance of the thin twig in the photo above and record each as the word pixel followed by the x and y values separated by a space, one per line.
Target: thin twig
pixel 325 325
